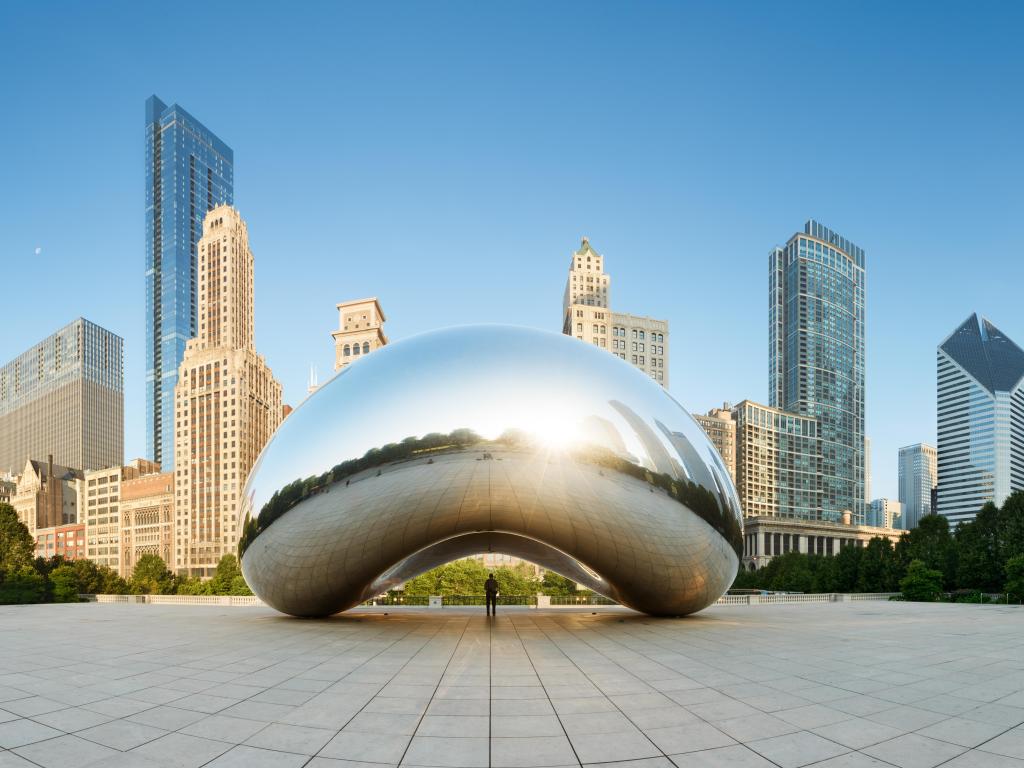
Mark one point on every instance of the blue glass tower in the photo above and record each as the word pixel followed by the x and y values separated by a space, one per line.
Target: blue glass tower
pixel 189 171
pixel 816 322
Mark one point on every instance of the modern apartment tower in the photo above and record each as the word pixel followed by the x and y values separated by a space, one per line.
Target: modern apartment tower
pixel 918 476
pixel 817 349
pixel 886 513
pixel 64 398
pixel 720 426
pixel 189 171
pixel 980 419
pixel 586 314
pixel 227 401
pixel 778 462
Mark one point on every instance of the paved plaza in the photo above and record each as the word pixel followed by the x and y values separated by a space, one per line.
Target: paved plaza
pixel 841 685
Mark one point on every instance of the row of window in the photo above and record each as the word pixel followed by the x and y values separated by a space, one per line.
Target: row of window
pixel 355 349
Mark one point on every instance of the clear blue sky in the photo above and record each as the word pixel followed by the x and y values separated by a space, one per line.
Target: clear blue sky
pixel 447 157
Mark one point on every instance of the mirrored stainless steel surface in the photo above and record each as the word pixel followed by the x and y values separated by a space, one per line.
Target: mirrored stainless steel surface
pixel 490 438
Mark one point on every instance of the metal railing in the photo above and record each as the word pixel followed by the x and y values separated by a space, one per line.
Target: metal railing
pixel 474 600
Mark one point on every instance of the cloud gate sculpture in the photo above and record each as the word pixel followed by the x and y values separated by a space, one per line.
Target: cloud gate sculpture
pixel 490 438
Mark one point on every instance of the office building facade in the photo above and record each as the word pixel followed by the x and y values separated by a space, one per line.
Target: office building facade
pixel 886 513
pixel 816 351
pixel 228 403
pixel 99 509
pixel 64 397
pixel 360 331
pixel 147 520
pixel 778 462
pixel 918 476
pixel 586 314
pixel 980 420
pixel 720 426
pixel 189 171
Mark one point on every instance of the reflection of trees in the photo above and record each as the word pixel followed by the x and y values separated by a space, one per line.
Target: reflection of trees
pixel 299 490
pixel 697 498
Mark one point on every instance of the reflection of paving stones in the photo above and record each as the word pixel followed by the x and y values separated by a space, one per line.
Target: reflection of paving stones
pixel 838 684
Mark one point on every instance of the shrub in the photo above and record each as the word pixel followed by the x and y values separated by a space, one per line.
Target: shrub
pixel 921 584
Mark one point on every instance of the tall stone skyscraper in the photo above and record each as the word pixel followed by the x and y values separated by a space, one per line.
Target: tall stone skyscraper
pixel 64 398
pixel 816 368
pixel 189 171
pixel 227 402
pixel 918 476
pixel 586 314
pixel 980 419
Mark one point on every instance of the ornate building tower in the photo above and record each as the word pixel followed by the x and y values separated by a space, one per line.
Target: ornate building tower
pixel 227 402
pixel 360 331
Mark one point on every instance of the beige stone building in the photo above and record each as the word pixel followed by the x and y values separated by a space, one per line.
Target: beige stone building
pixel 587 315
pixel 766 537
pixel 227 402
pixel 99 509
pixel 147 520
pixel 360 331
pixel 46 495
pixel 642 341
pixel 720 427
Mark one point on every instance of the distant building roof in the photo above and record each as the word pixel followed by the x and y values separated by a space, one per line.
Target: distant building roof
pixel 986 353
pixel 586 248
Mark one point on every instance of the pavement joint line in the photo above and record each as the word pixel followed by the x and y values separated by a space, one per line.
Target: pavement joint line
pixel 606 696
pixel 455 648
pixel 551 704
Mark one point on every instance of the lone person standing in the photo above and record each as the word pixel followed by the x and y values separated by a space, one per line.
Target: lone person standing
pixel 491 590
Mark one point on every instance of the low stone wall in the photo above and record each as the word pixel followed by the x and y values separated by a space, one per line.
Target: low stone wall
pixel 542 600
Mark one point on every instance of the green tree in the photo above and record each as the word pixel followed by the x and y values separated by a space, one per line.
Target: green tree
pixel 1011 526
pixel 23 585
pixel 151 576
pixel 17 547
pixel 932 543
pixel 467 577
pixel 847 569
pixel 554 584
pixel 921 584
pixel 64 584
pixel 978 551
pixel 1014 586
pixel 228 579
pixel 877 568
pixel 193 585
pixel 790 572
pixel 96 579
pixel 516 580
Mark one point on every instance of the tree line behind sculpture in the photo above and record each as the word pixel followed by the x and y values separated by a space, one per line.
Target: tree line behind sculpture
pixel 985 555
pixel 697 498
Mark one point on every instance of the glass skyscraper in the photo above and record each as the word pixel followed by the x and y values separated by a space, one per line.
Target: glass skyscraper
pixel 917 477
pixel 189 171
pixel 816 355
pixel 64 398
pixel 980 419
